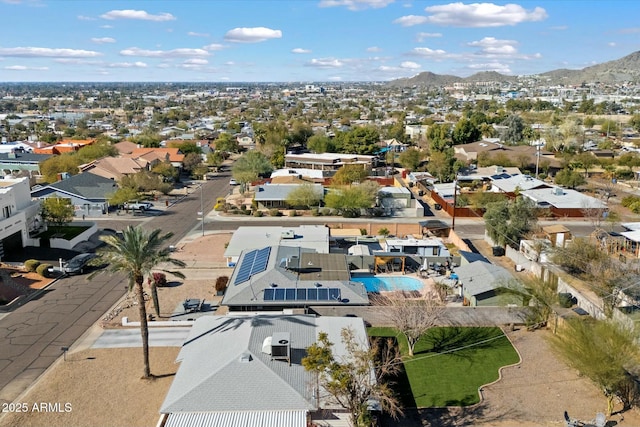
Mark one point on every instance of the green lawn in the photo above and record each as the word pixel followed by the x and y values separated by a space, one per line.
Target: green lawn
pixel 67 232
pixel 449 365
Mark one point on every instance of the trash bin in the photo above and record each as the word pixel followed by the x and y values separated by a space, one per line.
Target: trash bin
pixel 498 251
pixel 437 206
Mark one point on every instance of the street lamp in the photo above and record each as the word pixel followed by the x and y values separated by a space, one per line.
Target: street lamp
pixel 201 213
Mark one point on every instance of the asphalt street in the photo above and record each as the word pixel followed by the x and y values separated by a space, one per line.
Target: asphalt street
pixel 33 335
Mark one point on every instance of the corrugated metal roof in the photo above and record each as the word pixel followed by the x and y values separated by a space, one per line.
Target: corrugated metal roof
pixel 239 419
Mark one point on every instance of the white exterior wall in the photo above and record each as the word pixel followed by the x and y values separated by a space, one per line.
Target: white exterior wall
pixel 17 210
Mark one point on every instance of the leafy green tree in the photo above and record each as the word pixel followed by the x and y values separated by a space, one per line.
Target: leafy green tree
pixel 361 140
pixel 123 195
pixel 569 178
pixel 166 170
pixel 411 158
pixel 135 255
pixel 629 160
pixel 321 144
pixel 350 200
pixel 604 352
pixel 56 211
pixel 354 378
pixel 305 195
pixel 187 147
pixel 441 165
pixel 148 139
pixel 191 161
pixel 508 221
pixel 227 143
pixel 589 122
pixel 584 160
pixel 348 174
pixel 250 166
pixel 95 151
pixel 513 132
pixel 439 137
pixel 465 132
pixel 215 159
pixel 51 167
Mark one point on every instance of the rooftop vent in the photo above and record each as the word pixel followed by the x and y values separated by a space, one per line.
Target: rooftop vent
pixel 288 234
pixel 558 191
pixel 281 346
pixel 266 346
pixel 245 357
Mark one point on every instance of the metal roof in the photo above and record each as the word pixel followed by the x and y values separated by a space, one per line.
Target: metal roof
pixel 569 199
pixel 238 419
pixel 479 277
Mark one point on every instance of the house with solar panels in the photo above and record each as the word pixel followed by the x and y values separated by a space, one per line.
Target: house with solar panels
pixel 275 278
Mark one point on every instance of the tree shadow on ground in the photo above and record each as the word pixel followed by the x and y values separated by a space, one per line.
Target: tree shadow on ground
pixel 399 382
pixel 451 416
pixel 445 339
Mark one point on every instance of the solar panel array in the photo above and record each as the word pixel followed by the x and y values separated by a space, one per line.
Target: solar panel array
pixel 302 294
pixel 253 262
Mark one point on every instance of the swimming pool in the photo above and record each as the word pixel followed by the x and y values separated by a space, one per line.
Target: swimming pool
pixel 389 283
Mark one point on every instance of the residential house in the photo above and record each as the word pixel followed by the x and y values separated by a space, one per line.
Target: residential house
pixel 563 202
pixel 14 163
pixel 275 195
pixel 159 155
pixel 115 167
pixel 19 215
pixel 313 175
pixel 275 278
pixel 241 371
pixel 89 193
pixel 484 284
pixel 64 146
pixel 328 161
pixel 125 147
pixel 315 237
pixel 423 247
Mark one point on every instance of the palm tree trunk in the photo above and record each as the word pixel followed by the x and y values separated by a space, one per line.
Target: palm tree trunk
pixel 144 327
pixel 154 295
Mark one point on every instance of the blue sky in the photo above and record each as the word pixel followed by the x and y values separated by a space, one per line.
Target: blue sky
pixel 305 40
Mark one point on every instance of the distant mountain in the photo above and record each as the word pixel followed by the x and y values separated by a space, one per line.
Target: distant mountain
pixel 619 70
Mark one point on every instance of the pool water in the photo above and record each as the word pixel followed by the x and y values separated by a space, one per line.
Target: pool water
pixel 389 283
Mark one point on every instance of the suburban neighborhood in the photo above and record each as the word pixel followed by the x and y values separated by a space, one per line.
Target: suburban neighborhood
pixel 423 251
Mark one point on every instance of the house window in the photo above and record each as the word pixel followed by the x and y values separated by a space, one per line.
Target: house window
pixel 436 251
pixel 6 212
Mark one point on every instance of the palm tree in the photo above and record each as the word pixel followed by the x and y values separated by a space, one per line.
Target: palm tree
pixel 135 253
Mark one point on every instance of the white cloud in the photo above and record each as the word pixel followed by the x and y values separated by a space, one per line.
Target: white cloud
pixel 101 40
pixel 356 4
pixel 325 63
pixel 35 52
pixel 559 28
pixel 335 78
pixel 482 14
pixel 137 14
pixel 612 44
pixel 164 65
pixel 430 53
pixel 230 63
pixel 194 34
pixel 85 18
pixel 213 46
pixel 410 65
pixel 493 46
pixel 182 52
pixel 252 35
pixel 196 61
pixel 24 68
pixel 411 20
pixel 136 64
pixel 373 49
pixel 300 50
pixel 491 66
pixel 423 36
pixel 76 61
pixel 106 26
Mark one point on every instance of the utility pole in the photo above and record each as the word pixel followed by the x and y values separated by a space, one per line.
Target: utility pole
pixel 455 199
pixel 201 213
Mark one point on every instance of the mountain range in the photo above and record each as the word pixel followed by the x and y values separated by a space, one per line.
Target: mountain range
pixel 617 71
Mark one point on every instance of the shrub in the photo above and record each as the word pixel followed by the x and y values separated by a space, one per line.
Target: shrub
pixel 384 232
pixel 218 207
pixel 293 213
pixel 221 283
pixel 274 212
pixel 326 211
pixel 246 212
pixel 363 231
pixel 43 270
pixel 257 213
pixel 243 207
pixel 31 264
pixel 315 212
pixel 234 211
pixel 160 279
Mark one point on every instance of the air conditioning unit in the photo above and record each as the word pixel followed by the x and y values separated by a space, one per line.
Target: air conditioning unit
pixel 281 346
pixel 558 191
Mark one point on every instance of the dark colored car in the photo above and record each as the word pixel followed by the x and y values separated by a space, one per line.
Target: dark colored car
pixel 78 264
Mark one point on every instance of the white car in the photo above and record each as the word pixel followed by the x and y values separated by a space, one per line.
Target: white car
pixel 233 182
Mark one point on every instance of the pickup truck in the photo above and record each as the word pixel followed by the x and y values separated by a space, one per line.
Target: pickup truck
pixel 138 206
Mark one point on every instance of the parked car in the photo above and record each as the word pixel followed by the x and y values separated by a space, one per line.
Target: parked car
pixel 78 264
pixel 233 182
pixel 141 206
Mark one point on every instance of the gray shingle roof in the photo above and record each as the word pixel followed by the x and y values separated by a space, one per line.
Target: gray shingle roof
pixel 480 277
pixel 87 185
